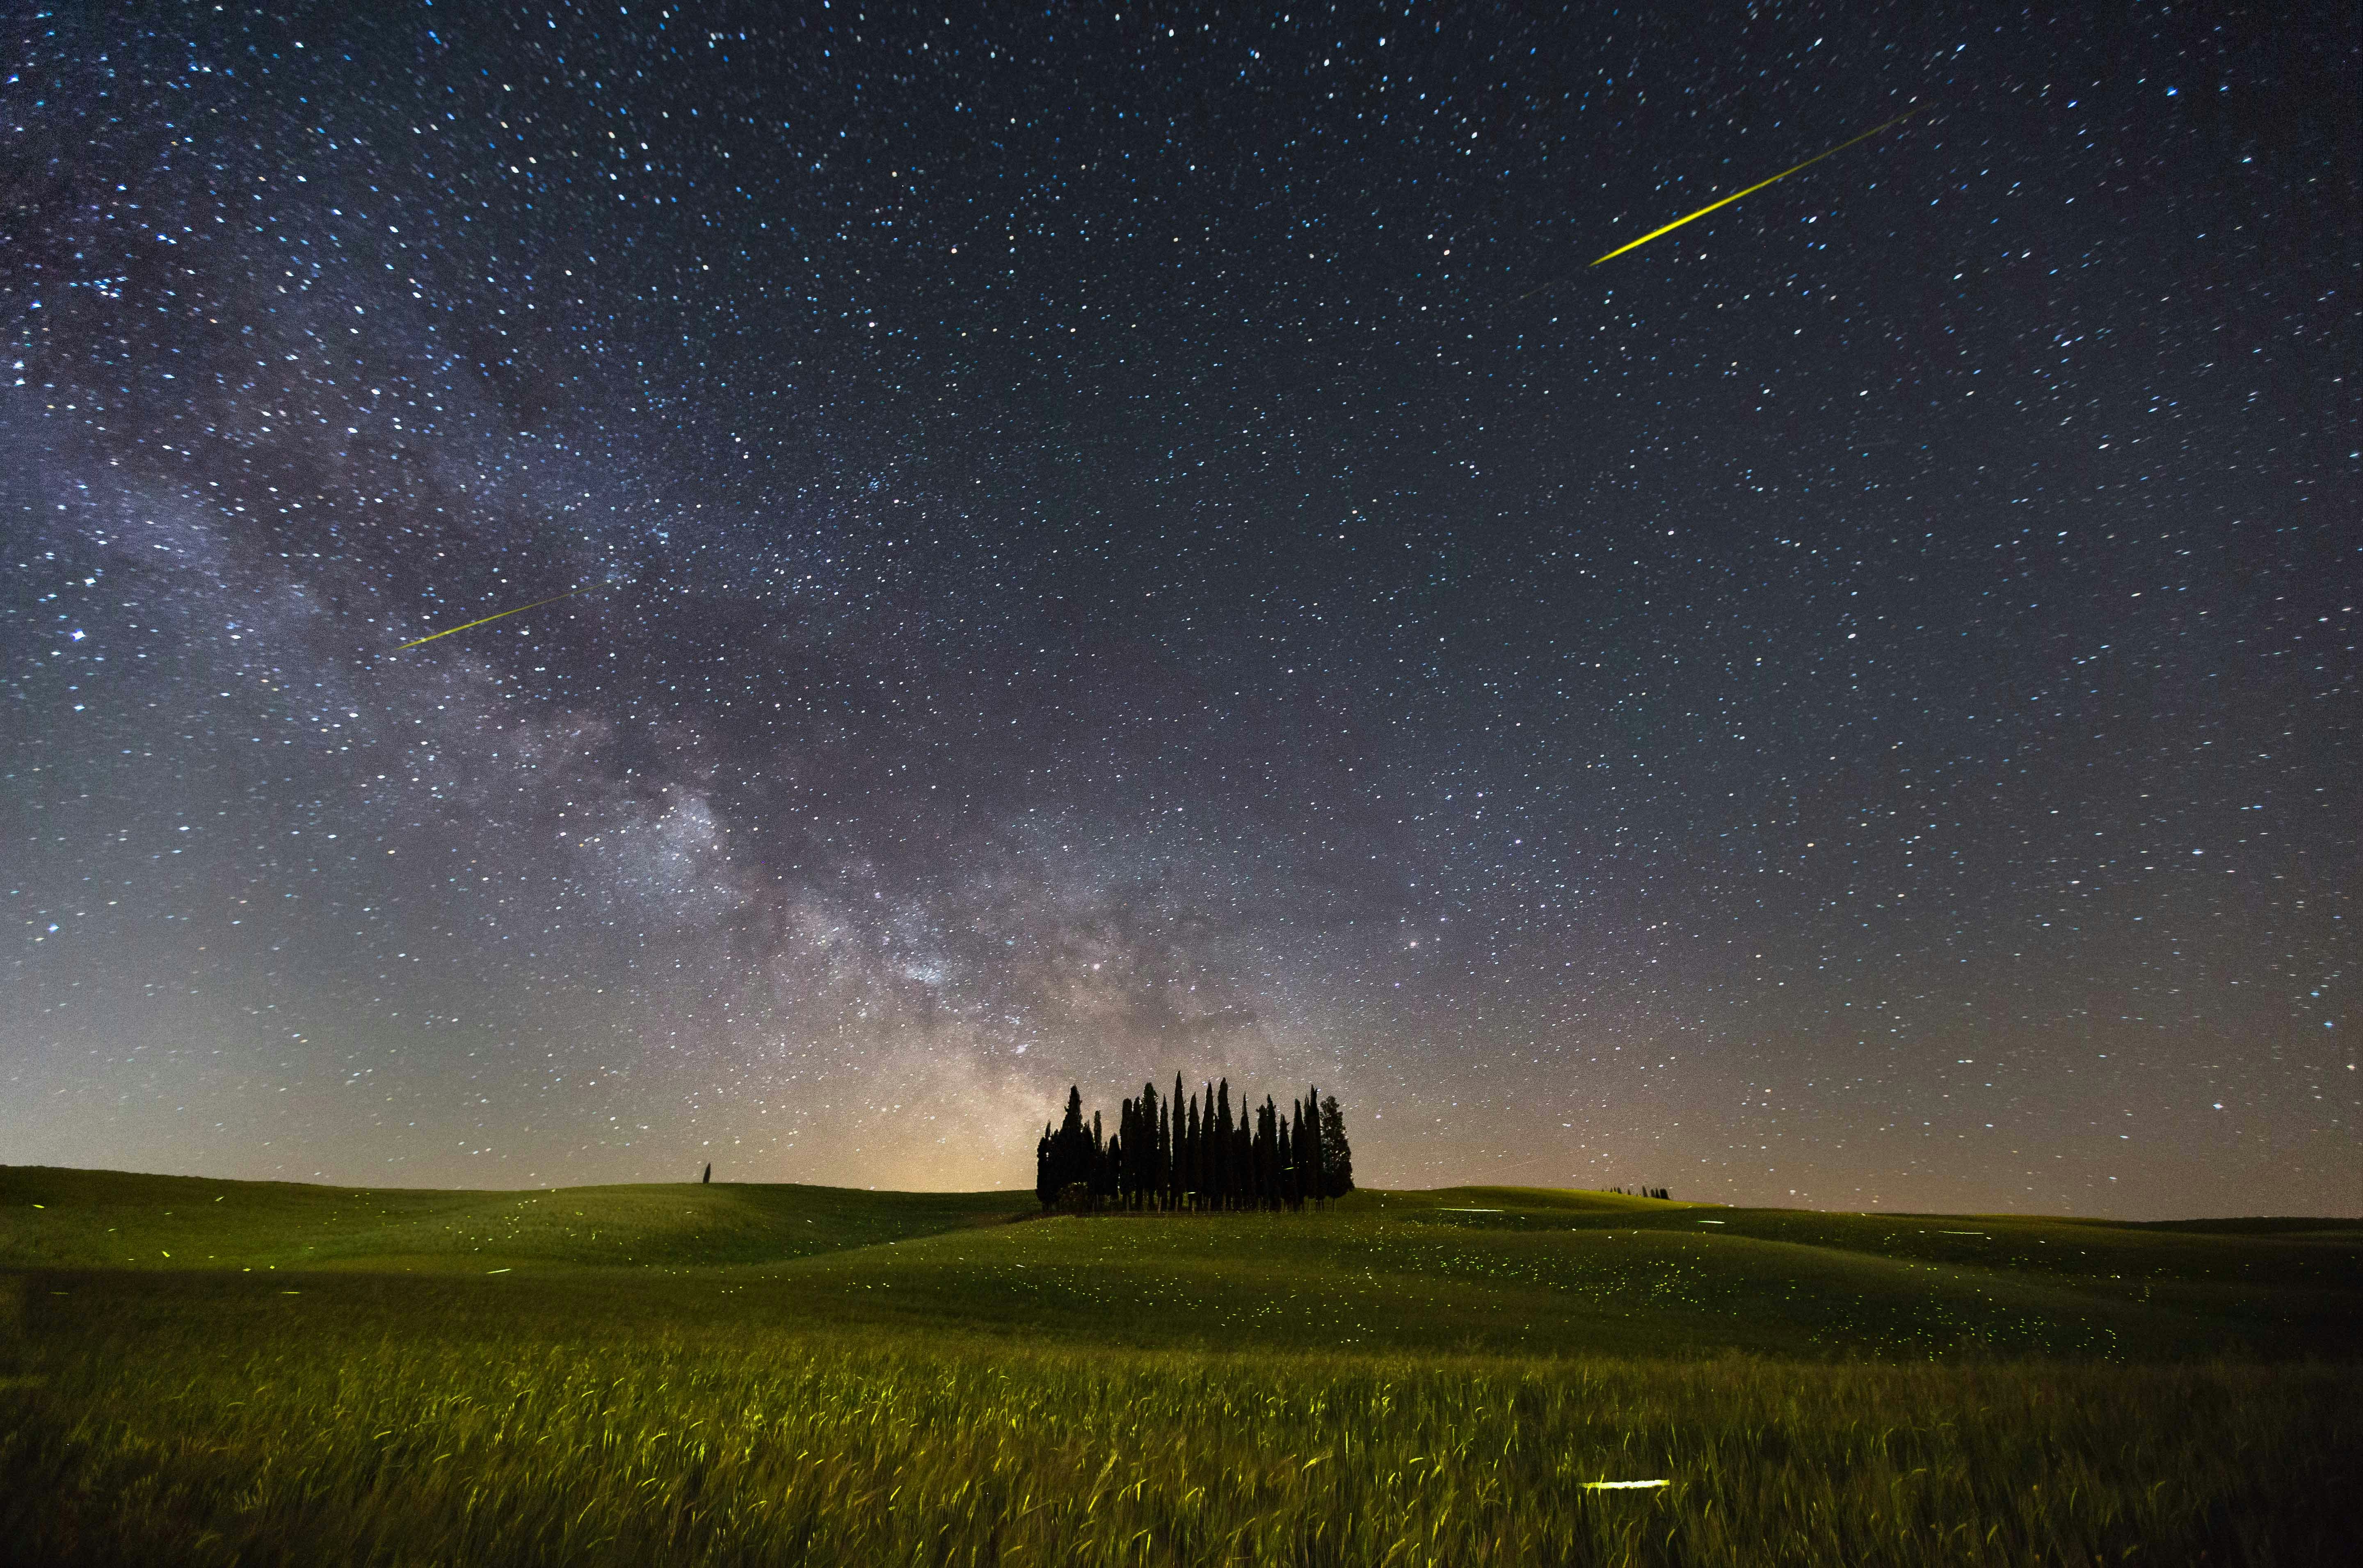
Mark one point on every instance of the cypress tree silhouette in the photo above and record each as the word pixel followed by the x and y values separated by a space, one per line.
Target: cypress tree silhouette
pixel 1117 1178
pixel 1222 1183
pixel 1190 1184
pixel 1202 1153
pixel 1266 1155
pixel 1147 1177
pixel 1127 1135
pixel 1297 1154
pixel 1152 1175
pixel 1287 1164
pixel 1074 1140
pixel 1308 1146
pixel 1337 1155
pixel 1069 1155
pixel 1176 1132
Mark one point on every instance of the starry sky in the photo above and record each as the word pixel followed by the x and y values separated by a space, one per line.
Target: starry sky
pixel 1129 540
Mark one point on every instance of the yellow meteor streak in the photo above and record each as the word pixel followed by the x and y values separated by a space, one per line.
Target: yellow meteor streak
pixel 518 611
pixel 1759 184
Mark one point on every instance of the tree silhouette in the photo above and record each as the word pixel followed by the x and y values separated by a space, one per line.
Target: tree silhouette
pixel 1309 1159
pixel 1067 1157
pixel 1337 1154
pixel 1220 1183
pixel 1293 1142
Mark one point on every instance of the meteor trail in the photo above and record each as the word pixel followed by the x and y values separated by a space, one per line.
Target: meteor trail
pixel 1759 184
pixel 518 611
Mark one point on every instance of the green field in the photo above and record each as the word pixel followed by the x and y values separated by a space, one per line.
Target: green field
pixel 224 1371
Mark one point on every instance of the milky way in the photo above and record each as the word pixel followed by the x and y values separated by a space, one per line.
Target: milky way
pixel 1124 542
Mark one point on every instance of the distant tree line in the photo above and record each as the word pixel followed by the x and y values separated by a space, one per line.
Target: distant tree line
pixel 1643 1192
pixel 1168 1154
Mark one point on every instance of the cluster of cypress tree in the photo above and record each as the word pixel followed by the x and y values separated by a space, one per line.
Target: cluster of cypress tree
pixel 1172 1155
pixel 1644 1192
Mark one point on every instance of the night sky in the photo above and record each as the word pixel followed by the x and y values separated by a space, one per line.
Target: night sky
pixel 1132 541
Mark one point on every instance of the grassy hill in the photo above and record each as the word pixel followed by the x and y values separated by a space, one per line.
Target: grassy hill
pixel 756 1372
pixel 1505 1269
pixel 105 1220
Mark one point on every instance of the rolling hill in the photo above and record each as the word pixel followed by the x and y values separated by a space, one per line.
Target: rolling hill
pixel 204 1370
pixel 1519 1270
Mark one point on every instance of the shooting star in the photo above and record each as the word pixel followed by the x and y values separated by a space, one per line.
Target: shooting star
pixel 518 611
pixel 1759 184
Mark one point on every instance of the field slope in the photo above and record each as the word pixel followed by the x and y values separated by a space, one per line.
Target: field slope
pixel 105 1220
pixel 199 1370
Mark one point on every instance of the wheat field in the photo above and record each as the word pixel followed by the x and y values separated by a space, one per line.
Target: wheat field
pixel 796 1412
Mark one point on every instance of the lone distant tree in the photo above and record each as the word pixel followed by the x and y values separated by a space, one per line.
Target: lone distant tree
pixel 709 1174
